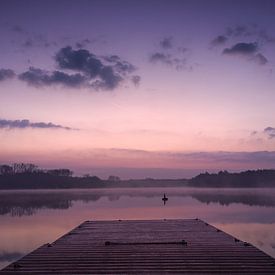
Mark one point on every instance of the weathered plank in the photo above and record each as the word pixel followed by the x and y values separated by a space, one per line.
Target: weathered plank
pixel 154 246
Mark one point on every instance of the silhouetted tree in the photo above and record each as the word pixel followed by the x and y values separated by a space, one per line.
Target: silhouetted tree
pixel 5 169
pixel 114 178
pixel 60 172
pixel 24 168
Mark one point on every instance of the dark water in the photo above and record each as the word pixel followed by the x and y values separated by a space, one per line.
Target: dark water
pixel 29 219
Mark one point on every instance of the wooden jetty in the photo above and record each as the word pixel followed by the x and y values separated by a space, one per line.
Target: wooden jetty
pixel 145 246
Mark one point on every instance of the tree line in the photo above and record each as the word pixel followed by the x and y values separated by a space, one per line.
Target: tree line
pixel 30 176
pixel 249 178
pixel 29 168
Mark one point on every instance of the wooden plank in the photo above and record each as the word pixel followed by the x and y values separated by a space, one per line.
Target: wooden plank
pixel 155 246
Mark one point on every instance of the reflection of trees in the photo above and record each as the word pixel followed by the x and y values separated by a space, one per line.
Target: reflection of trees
pixel 27 203
pixel 21 203
pixel 227 199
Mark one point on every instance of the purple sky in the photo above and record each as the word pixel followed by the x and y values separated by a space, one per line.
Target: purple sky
pixel 138 88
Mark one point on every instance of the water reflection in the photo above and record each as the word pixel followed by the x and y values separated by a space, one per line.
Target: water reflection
pixel 20 203
pixel 29 219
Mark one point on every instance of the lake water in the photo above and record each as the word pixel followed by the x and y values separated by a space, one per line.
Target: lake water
pixel 29 219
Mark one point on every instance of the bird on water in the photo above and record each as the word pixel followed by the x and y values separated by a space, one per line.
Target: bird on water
pixel 165 199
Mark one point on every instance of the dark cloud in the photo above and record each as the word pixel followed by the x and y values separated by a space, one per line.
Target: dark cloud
pixel 37 77
pixel 166 43
pixel 270 131
pixel 79 60
pixel 101 73
pixel 87 70
pixel 219 40
pixel 247 50
pixel 242 49
pixel 6 74
pixel 109 79
pixel 25 123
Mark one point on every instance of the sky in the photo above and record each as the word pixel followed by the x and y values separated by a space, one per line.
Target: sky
pixel 163 89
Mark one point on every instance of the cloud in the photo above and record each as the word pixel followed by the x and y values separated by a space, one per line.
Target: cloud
pixel 109 79
pixel 254 30
pixel 136 79
pixel 37 40
pixel 270 131
pixel 102 73
pixel 247 50
pixel 220 160
pixel 82 43
pixel 25 123
pixel 170 60
pixel 240 30
pixel 18 29
pixel 162 58
pixel 242 49
pixel 176 57
pixel 28 39
pixel 219 40
pixel 166 43
pixel 121 66
pixel 37 77
pixel 85 70
pixel 6 74
pixel 260 59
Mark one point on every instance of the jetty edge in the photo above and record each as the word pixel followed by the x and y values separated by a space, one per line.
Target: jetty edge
pixel 186 246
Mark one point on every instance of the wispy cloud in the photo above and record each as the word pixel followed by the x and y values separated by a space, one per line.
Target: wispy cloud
pixel 196 159
pixel 243 31
pixel 170 60
pixel 166 43
pixel 219 40
pixel 270 131
pixel 25 123
pixel 170 54
pixel 6 74
pixel 82 43
pixel 254 30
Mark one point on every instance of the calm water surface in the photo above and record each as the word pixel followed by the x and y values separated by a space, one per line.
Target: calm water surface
pixel 29 219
